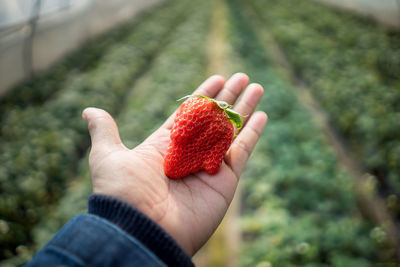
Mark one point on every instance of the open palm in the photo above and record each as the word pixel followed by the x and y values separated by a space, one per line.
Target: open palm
pixel 191 208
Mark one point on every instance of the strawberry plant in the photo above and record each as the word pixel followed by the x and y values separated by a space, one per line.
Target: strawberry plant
pixel 351 64
pixel 299 206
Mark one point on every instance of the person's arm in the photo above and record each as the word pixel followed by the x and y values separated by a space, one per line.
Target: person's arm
pixel 113 233
pixel 170 218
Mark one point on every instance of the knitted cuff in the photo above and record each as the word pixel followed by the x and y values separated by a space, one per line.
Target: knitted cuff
pixel 140 227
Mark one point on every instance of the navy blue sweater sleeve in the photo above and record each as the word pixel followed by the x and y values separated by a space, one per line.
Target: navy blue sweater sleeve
pixel 89 240
pixel 142 228
pixel 112 234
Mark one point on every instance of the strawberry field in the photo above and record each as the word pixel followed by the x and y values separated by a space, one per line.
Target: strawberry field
pixel 299 205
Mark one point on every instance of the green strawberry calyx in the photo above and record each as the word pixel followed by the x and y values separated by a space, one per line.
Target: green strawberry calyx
pixel 232 115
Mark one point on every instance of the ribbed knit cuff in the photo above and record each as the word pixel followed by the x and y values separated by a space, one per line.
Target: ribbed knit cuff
pixel 140 227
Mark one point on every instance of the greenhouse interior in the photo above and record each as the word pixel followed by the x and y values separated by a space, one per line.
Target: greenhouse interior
pixel 321 186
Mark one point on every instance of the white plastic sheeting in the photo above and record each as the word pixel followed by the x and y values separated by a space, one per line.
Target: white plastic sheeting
pixel 384 11
pixel 20 11
pixel 35 33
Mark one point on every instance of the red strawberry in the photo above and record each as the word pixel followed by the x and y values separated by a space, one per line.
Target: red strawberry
pixel 201 135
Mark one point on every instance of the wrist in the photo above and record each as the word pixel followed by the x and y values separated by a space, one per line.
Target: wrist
pixel 140 227
pixel 156 213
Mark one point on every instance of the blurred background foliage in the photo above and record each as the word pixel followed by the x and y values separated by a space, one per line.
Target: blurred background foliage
pixel 299 205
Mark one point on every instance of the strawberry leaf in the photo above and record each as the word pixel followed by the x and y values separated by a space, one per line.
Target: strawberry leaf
pixel 234 117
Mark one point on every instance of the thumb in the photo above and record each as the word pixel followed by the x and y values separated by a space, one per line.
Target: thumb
pixel 102 128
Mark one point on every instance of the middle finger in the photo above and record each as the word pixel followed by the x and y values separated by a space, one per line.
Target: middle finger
pixel 233 87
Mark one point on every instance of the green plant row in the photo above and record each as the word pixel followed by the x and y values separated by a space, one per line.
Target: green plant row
pixel 353 68
pixel 41 145
pixel 45 84
pixel 176 71
pixel 299 207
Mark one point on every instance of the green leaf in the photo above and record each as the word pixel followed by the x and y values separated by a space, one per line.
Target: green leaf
pixel 234 117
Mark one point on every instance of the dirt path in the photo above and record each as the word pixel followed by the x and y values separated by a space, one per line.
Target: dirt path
pixel 223 247
pixel 370 204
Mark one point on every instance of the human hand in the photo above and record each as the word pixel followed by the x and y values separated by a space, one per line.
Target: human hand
pixel 189 209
